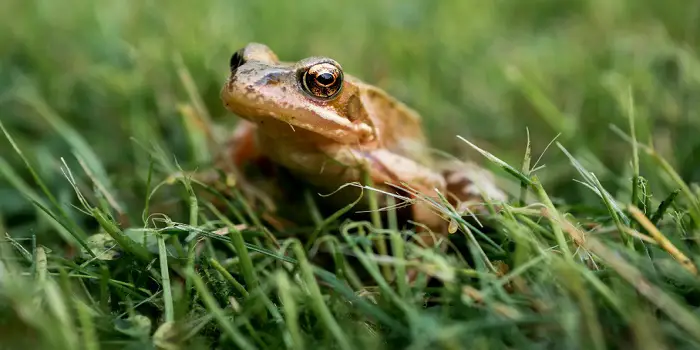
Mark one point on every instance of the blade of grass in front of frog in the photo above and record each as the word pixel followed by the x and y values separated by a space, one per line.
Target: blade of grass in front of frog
pixel 675 311
pixel 405 201
pixel 575 284
pixel 371 198
pixel 194 326
pixel 165 280
pixel 19 247
pixel 397 247
pixel 249 246
pixel 88 330
pixel 371 267
pixel 213 191
pixel 90 273
pixel 536 228
pixel 212 235
pixel 536 166
pixel 105 220
pixel 380 241
pixel 503 165
pixel 210 303
pixel 156 151
pixel 102 188
pixel 608 201
pixel 635 149
pixel 553 219
pixel 663 242
pixel 240 248
pixel 525 169
pixel 694 201
pixel 124 241
pixel 16 181
pixel 362 304
pixel 57 305
pixel 447 209
pixel 147 200
pixel 290 308
pixel 592 182
pixel 22 293
pixel 218 233
pixel 556 218
pixel 336 215
pixel 685 189
pixel 193 219
pixel 343 269
pixel 317 300
pixel 228 277
pixel 247 208
pixel 81 242
pixel 518 271
pixel 466 228
pixel 191 196
pixel 663 206
pixel 528 242
pixel 313 209
pixel 71 226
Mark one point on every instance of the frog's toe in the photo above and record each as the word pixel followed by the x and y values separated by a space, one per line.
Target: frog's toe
pixel 468 182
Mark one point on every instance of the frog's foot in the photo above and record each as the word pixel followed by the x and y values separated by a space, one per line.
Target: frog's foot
pixel 239 155
pixel 469 186
pixel 431 231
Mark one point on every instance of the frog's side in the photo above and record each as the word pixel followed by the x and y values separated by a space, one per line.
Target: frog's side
pixel 324 125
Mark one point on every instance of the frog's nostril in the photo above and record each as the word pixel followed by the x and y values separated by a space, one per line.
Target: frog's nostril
pixel 237 60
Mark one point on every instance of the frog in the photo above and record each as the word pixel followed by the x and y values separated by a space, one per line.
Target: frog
pixel 329 129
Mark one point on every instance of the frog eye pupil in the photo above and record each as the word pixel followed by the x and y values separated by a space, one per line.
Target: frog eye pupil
pixel 325 79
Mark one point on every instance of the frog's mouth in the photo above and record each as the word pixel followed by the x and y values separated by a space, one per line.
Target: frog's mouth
pixel 315 119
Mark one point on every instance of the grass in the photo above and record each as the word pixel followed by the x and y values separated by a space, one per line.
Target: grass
pixel 586 110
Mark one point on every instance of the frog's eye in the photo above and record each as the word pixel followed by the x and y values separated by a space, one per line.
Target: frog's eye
pixel 236 60
pixel 322 80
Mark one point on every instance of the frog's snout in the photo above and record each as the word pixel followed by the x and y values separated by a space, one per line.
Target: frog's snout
pixel 270 79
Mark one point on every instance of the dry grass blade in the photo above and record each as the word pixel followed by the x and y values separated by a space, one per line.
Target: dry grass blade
pixel 657 296
pixel 663 242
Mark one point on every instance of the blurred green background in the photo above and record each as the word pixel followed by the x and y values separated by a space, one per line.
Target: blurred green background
pixel 83 74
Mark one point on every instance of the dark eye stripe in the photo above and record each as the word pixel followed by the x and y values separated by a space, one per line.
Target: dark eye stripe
pixel 236 60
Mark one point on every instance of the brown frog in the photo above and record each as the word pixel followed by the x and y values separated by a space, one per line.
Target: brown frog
pixel 324 126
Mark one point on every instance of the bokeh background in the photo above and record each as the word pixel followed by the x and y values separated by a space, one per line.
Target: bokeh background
pixel 106 76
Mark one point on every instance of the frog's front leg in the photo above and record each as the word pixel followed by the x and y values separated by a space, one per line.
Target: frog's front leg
pixel 241 152
pixel 386 167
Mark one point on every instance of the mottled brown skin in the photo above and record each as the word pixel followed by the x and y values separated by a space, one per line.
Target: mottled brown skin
pixel 325 134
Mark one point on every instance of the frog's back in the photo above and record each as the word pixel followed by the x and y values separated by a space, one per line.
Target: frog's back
pixel 400 127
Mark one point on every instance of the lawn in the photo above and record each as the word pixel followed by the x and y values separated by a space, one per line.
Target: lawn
pixel 588 112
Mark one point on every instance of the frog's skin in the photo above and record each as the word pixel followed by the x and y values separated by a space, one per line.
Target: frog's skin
pixel 324 126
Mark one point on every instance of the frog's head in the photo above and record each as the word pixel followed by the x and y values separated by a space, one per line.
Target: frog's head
pixel 313 94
